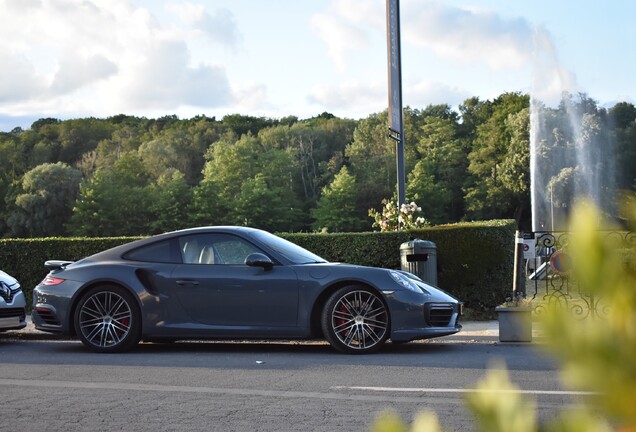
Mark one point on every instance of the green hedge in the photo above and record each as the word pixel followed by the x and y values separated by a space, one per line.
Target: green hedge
pixel 474 260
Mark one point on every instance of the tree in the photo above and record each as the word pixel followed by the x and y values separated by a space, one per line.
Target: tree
pixel 124 140
pixel 623 117
pixel 208 206
pixel 45 200
pixel 170 208
pixel 242 124
pixel 336 210
pixel 312 145
pixel 434 197
pixel 79 136
pixel 180 147
pixel 265 206
pixel 372 161
pixel 115 202
pixel 231 161
pixel 438 178
pixel 297 141
pixel 38 124
pixel 253 181
pixel 487 196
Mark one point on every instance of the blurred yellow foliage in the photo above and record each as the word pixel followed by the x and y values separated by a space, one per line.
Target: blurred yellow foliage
pixel 499 405
pixel 600 355
pixel 597 355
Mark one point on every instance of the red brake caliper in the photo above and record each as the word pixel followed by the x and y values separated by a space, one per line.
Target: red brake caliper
pixel 341 321
pixel 124 322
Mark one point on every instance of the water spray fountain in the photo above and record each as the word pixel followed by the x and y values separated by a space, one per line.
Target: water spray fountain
pixel 571 159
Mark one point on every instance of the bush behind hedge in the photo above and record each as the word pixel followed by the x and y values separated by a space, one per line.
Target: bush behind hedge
pixel 474 260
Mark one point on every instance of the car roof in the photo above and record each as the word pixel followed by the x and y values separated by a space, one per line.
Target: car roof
pixel 118 251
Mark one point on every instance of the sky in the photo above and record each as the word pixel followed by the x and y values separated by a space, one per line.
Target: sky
pixel 98 58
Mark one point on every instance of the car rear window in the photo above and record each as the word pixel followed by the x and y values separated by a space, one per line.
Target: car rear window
pixel 165 251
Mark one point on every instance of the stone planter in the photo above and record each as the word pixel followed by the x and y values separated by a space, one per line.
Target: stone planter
pixel 515 324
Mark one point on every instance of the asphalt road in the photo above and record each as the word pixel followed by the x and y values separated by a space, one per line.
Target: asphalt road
pixel 57 385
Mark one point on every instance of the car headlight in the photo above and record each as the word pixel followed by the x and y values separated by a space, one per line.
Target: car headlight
pixel 406 282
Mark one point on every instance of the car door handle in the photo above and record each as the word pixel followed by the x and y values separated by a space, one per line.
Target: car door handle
pixel 187 282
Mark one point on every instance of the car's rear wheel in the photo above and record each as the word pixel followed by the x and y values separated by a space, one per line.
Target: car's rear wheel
pixel 355 320
pixel 107 319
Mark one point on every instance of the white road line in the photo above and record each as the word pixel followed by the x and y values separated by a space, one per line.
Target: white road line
pixel 459 390
pixel 336 392
pixel 118 386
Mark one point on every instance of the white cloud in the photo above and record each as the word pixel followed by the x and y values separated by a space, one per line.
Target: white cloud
pixel 187 12
pixel 432 93
pixel 161 78
pixel 342 37
pixel 352 95
pixel 99 57
pixel 362 13
pixel 251 96
pixel 452 33
pixel 468 36
pixel 220 26
pixel 364 97
pixel 75 72
pixel 19 80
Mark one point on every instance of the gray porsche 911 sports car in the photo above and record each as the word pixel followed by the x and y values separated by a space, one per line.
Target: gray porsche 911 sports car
pixel 234 282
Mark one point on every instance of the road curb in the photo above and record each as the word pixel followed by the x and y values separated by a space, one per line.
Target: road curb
pixel 472 332
pixel 478 330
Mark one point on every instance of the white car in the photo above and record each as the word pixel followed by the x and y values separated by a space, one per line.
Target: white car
pixel 12 304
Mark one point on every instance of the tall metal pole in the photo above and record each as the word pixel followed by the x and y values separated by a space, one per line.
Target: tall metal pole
pixel 396 121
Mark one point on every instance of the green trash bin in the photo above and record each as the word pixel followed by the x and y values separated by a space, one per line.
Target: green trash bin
pixel 420 258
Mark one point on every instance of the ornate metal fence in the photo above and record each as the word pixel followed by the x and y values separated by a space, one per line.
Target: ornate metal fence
pixel 550 281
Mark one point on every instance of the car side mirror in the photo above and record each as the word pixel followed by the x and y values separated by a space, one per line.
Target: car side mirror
pixel 259 260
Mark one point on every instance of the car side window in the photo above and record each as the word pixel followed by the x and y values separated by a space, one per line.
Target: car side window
pixel 162 252
pixel 215 249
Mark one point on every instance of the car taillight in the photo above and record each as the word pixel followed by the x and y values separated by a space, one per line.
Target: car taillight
pixel 50 280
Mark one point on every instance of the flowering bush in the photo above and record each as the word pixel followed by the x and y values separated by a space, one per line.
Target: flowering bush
pixel 392 218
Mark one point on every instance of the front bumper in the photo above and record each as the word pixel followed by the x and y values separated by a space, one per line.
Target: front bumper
pixel 12 313
pixel 415 316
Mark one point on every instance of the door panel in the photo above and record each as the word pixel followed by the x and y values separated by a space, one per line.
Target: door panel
pixel 238 295
pixel 216 288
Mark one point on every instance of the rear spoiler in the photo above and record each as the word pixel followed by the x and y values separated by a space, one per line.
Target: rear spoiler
pixel 56 264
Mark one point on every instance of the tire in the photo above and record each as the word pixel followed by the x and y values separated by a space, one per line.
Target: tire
pixel 355 320
pixel 107 319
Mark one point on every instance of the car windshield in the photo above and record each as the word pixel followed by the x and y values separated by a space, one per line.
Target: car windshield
pixel 289 250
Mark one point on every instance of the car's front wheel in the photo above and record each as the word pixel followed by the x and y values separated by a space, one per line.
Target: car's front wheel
pixel 355 320
pixel 107 319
